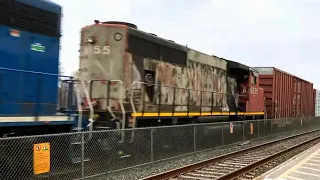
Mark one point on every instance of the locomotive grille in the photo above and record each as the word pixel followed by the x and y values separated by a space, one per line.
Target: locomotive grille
pixel 29 18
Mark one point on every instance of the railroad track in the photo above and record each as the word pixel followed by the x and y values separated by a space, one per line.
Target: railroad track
pixel 245 164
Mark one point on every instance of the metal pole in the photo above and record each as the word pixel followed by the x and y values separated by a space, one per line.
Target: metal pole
pixel 258 128
pixel 242 130
pixel 222 138
pixel 194 139
pixel 151 148
pixel 82 155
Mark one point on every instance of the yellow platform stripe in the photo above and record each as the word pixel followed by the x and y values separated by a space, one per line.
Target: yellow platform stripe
pixel 181 114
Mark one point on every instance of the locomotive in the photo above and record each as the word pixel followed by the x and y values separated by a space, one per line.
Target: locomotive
pixel 29 80
pixel 137 79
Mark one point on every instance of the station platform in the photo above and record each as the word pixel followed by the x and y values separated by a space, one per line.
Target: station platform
pixel 304 166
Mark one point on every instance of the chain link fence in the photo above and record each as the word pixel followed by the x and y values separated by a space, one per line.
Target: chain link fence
pixel 91 154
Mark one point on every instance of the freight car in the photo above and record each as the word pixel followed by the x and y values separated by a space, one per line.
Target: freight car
pixel 287 96
pixel 139 79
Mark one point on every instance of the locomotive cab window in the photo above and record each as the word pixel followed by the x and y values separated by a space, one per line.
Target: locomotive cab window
pixel 253 80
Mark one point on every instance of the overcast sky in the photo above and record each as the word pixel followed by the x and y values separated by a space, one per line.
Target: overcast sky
pixel 280 33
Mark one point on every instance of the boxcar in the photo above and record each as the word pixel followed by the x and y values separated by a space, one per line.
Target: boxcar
pixel 286 95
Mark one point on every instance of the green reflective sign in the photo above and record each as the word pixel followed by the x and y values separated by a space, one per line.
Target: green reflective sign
pixel 38 47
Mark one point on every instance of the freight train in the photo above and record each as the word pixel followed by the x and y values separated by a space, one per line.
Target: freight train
pixel 127 78
pixel 156 81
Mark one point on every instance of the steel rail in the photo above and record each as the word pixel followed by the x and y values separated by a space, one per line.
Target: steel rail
pixel 179 171
pixel 239 172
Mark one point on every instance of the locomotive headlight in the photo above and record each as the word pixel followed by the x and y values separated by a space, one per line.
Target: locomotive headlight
pixel 91 40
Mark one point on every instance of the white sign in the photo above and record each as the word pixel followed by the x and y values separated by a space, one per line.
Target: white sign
pixel 231 128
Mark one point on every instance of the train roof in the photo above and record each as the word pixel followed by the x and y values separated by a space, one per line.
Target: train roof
pixel 270 71
pixel 43 4
pixel 156 39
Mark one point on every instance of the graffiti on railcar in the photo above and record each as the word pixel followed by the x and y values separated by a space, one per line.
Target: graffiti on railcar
pixel 197 76
pixel 208 78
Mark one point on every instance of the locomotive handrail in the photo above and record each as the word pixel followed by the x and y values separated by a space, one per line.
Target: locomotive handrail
pixel 123 112
pixel 174 94
pixel 106 75
pixel 91 119
pixel 78 93
pixel 120 96
pixel 120 99
pixel 107 98
pixel 150 84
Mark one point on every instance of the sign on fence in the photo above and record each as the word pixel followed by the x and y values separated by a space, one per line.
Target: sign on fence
pixel 251 128
pixel 41 158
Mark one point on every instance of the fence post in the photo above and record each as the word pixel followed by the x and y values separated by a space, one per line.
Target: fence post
pixel 222 138
pixel 82 155
pixel 151 146
pixel 243 130
pixel 258 128
pixel 194 139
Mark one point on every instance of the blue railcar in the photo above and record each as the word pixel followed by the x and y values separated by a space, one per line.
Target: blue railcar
pixel 30 34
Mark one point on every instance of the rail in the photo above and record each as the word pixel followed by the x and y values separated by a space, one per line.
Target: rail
pixel 301 146
pixel 212 96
